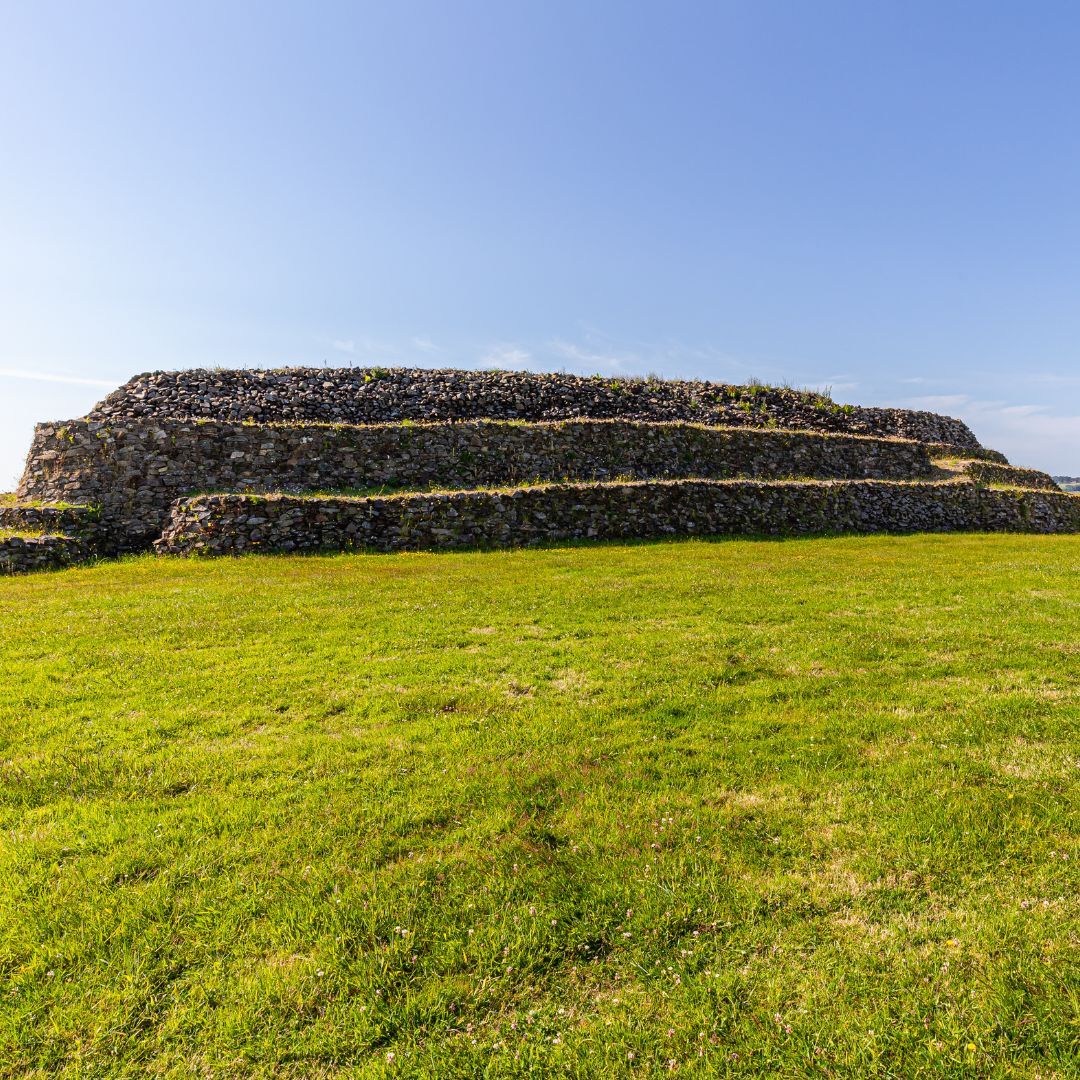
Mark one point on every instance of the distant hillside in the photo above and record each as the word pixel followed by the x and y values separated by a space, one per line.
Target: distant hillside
pixel 1068 483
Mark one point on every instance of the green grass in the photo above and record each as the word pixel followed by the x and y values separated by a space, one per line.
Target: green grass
pixel 769 809
pixel 21 532
pixel 407 491
pixel 9 498
pixel 393 490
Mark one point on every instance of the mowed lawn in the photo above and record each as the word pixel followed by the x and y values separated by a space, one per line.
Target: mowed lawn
pixel 772 809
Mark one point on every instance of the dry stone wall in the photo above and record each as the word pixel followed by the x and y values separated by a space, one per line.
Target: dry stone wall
pixel 987 472
pixel 232 524
pixel 70 520
pixel 943 450
pixel 135 469
pixel 22 554
pixel 378 395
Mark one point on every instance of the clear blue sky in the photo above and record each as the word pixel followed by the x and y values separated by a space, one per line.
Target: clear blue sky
pixel 883 197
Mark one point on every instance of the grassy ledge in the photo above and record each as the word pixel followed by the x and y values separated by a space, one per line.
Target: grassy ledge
pixel 394 491
pixel 9 499
pixel 762 809
pixel 21 534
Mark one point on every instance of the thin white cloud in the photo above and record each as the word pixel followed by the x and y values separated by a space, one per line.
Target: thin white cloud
pixel 1030 434
pixel 591 359
pixel 596 351
pixel 52 377
pixel 506 356
pixel 367 350
pixel 835 384
pixel 1032 438
pixel 1051 378
pixel 938 402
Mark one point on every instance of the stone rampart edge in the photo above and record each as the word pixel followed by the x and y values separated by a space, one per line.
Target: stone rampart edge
pixel 224 524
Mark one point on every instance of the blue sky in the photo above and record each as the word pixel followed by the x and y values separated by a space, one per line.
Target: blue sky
pixel 879 197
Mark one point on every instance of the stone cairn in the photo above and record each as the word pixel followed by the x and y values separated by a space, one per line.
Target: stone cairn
pixel 307 459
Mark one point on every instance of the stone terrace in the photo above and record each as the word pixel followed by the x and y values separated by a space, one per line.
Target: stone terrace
pixel 382 395
pixel 180 460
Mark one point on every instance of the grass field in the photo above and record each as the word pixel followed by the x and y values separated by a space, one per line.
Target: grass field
pixel 771 809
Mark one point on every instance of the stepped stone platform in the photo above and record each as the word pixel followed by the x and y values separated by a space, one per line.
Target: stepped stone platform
pixel 388 459
pixel 136 472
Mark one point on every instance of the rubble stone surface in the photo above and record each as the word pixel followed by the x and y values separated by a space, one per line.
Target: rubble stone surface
pixel 391 395
pixel 552 513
